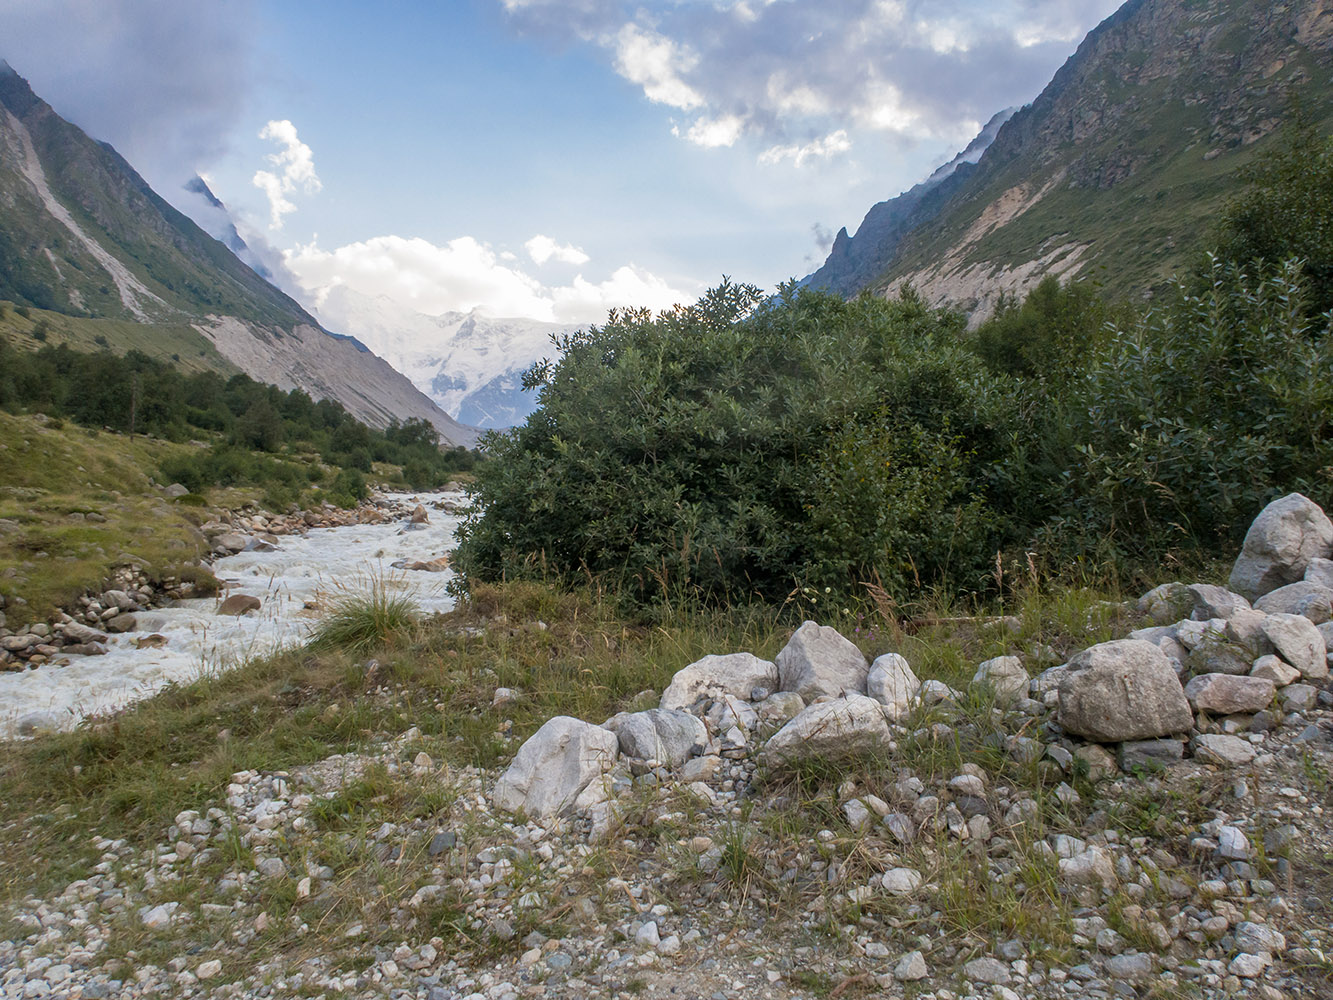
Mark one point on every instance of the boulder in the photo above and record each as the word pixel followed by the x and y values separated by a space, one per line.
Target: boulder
pixel 75 632
pixel 817 660
pixel 1004 677
pixel 1280 544
pixel 1166 604
pixel 1313 600
pixel 736 674
pixel 834 729
pixel 554 767
pixel 238 604
pixel 1247 629
pixel 1227 694
pixel 892 683
pixel 1122 690
pixel 1320 571
pixel 1299 642
pixel 1276 670
pixel 1150 753
pixel 176 490
pixel 666 736
pixel 124 622
pixel 419 516
pixel 231 541
pixel 1219 655
pixel 1214 602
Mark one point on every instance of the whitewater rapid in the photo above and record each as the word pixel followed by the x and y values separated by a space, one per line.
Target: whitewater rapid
pixel 312 569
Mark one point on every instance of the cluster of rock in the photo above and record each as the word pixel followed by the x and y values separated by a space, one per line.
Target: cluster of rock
pixel 84 629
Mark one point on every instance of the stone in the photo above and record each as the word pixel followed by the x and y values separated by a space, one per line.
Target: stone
pixel 834 729
pixel 1122 690
pixel 1299 642
pixel 1275 669
pixel 1214 602
pixel 1219 655
pixel 121 624
pixel 1246 628
pixel 176 490
pixel 209 970
pixel 1150 753
pixel 1311 600
pixel 554 767
pixel 1092 867
pixel 231 541
pixel 857 815
pixel 666 736
pixel 1228 751
pixel 987 970
pixel 239 604
pixel 1097 760
pixel 1227 694
pixel 75 632
pixel 1259 939
pixel 1247 966
pixel 160 916
pixel 818 660
pixel 441 843
pixel 911 968
pixel 419 516
pixel 1320 571
pixel 901 881
pixel 736 674
pixel 1004 677
pixel 892 683
pixel 1139 965
pixel 1278 548
pixel 1232 844
pixel 1166 604
pixel 1298 697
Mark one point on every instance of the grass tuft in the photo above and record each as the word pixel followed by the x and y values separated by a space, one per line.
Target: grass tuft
pixel 360 622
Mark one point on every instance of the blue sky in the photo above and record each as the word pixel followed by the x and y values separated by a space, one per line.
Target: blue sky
pixel 544 158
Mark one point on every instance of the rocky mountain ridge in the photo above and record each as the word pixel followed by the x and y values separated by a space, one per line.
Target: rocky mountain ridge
pixel 1117 168
pixel 81 233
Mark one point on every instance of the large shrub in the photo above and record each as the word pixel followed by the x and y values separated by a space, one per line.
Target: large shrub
pixel 739 448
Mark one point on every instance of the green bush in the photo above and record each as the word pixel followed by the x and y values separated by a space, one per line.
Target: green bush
pixel 733 449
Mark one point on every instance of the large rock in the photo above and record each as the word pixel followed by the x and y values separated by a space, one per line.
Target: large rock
pixel 1313 600
pixel 892 683
pixel 1227 694
pixel 736 674
pixel 554 767
pixel 817 660
pixel 1122 690
pixel 1004 677
pixel 1166 604
pixel 1320 571
pixel 1299 642
pixel 1214 602
pixel 239 604
pixel 1280 544
pixel 840 728
pixel 666 736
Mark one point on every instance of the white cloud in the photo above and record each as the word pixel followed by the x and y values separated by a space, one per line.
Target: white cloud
pixel 295 169
pixel 542 249
pixel 820 149
pixel 778 71
pixel 714 132
pixel 656 64
pixel 465 274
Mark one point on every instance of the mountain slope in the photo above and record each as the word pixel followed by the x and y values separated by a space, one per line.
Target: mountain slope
pixel 81 233
pixel 1120 165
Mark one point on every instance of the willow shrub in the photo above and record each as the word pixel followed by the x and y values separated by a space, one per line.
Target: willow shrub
pixel 1196 415
pixel 739 448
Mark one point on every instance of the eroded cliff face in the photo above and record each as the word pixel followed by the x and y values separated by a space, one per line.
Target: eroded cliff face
pixel 1118 168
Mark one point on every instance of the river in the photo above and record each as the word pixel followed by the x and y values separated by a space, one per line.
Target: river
pixel 314 568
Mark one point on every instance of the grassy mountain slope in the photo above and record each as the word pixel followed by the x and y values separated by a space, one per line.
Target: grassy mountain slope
pixel 83 235
pixel 1117 169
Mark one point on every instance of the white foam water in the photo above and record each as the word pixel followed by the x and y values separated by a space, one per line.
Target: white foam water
pixel 303 569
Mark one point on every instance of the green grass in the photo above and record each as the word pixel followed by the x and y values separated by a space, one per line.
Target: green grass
pixel 362 619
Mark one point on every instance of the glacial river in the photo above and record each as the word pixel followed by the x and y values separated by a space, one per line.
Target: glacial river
pixel 313 568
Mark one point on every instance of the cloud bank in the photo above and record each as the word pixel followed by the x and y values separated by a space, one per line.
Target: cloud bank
pixel 465 275
pixel 802 79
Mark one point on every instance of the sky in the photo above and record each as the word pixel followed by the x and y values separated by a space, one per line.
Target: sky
pixel 549 159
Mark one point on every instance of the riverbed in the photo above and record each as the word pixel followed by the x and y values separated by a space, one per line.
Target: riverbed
pixel 295 583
